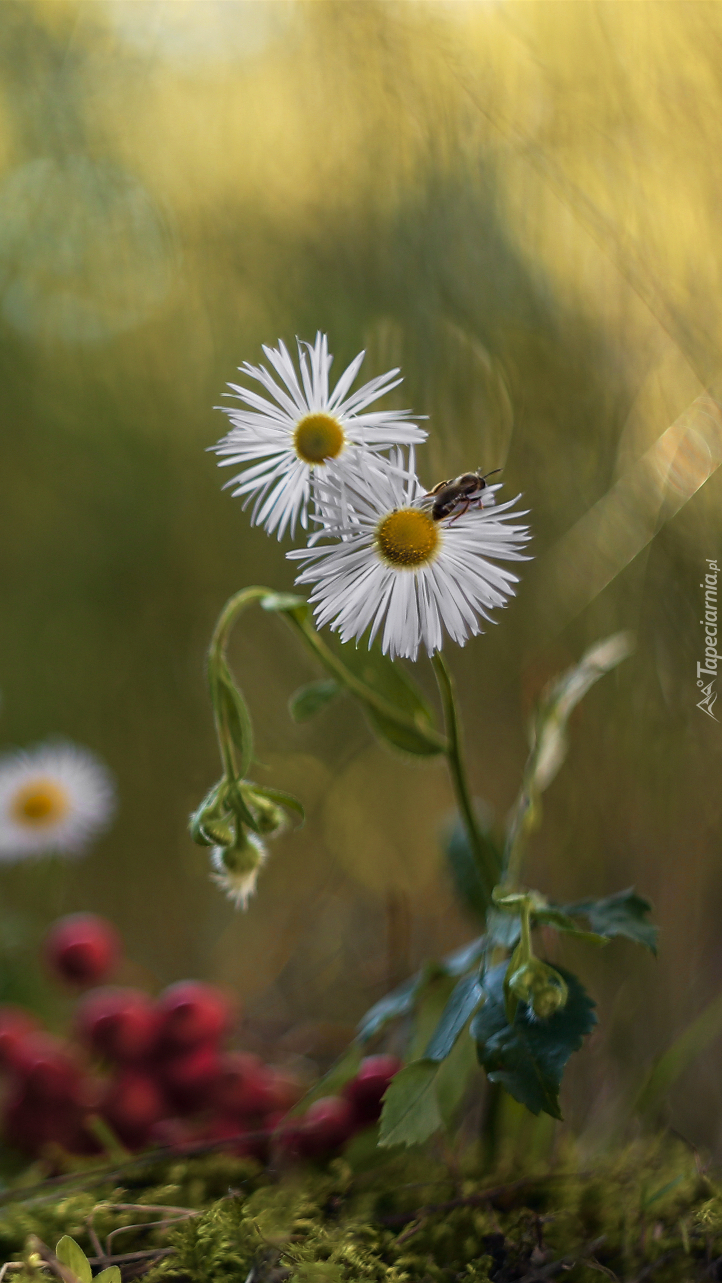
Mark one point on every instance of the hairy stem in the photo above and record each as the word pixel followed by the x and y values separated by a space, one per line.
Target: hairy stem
pixel 457 770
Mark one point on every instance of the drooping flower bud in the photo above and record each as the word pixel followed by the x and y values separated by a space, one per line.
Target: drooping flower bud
pixel 270 818
pixel 237 867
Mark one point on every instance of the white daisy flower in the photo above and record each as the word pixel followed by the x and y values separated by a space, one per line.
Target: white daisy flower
pixel 287 444
pixel 397 567
pixel 236 870
pixel 55 797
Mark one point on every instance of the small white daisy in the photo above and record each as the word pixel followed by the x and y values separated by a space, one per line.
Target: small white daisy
pixel 55 797
pixel 309 428
pixel 236 871
pixel 396 566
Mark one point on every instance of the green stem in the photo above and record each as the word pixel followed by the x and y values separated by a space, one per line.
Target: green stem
pixel 218 664
pixel 440 743
pixel 457 770
pixel 228 616
pixel 217 667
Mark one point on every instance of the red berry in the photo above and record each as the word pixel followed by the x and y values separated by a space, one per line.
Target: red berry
pixel 29 1125
pixel 365 1092
pixel 82 948
pixel 15 1025
pixel 289 1137
pixel 285 1090
pixel 245 1086
pixel 133 1103
pixel 327 1125
pixel 120 1024
pixel 172 1133
pixel 189 1077
pixel 192 1013
pixel 47 1069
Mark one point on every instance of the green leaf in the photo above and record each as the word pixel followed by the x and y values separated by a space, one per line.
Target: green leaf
pixel 456 963
pixel 465 998
pixel 453 1079
pixel 560 921
pixel 109 1275
pixel 311 699
pixel 411 1112
pixel 549 743
pixel 232 709
pixel 400 1001
pixel 389 678
pixel 429 1003
pixel 468 878
pixel 396 1003
pixel 71 1254
pixel 502 928
pixel 283 798
pixel 528 1057
pixel 621 914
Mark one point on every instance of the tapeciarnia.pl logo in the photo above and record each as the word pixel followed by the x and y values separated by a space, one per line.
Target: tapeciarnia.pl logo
pixel 709 667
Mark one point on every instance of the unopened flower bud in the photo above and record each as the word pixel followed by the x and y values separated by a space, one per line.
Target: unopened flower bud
pixel 268 815
pixel 237 866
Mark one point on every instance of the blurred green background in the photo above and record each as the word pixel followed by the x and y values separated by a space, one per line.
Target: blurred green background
pixel 519 204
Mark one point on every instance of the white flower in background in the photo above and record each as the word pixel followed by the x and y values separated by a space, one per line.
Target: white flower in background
pixel 397 567
pixel 237 869
pixel 284 446
pixel 55 797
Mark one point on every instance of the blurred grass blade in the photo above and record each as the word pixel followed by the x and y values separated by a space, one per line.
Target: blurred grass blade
pixel 548 732
pixel 669 1067
pixel 548 739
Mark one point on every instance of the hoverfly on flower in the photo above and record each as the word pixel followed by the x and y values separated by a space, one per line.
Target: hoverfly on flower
pixel 395 565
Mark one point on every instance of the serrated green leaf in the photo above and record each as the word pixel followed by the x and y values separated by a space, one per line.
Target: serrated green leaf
pixel 429 1003
pixel 561 921
pixel 460 1007
pixel 389 679
pixel 468 878
pixel 71 1254
pixel 621 914
pixel 312 698
pixel 410 1113
pixel 453 1079
pixel 528 1057
pixel 111 1274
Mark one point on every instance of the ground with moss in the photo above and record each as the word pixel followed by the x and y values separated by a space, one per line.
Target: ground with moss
pixel 650 1211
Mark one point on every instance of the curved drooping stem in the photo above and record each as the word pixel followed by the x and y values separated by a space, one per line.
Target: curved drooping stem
pixel 457 769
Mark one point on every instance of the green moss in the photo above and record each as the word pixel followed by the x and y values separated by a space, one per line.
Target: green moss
pixel 408 1220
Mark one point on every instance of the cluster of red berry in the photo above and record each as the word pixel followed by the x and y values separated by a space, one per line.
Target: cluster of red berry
pixel 156 1071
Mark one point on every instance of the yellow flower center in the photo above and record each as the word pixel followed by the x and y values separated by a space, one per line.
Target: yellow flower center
pixel 407 537
pixel 40 803
pixel 318 437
